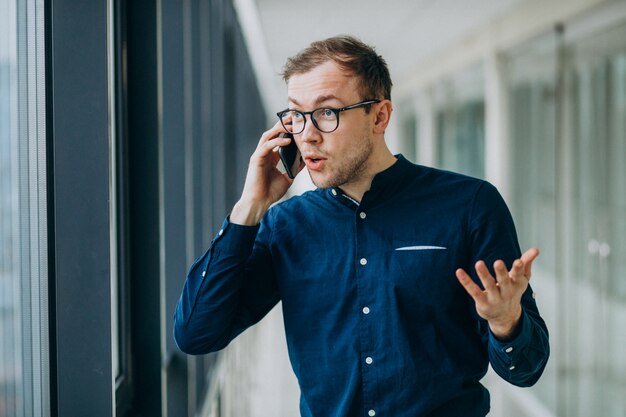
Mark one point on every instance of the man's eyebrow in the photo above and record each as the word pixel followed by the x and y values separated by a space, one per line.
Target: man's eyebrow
pixel 318 101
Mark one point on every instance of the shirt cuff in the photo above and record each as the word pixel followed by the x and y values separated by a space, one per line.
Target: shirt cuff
pixel 235 239
pixel 513 348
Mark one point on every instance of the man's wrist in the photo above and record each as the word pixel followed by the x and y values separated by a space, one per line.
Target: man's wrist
pixel 506 330
pixel 247 214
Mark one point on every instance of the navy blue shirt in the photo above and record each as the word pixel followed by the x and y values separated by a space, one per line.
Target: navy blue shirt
pixel 376 322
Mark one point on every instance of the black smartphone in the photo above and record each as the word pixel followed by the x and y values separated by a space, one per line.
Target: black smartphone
pixel 289 155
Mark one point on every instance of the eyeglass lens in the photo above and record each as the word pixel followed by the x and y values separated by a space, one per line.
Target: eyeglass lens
pixel 324 119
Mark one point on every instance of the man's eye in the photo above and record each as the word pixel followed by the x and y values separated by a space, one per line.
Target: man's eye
pixel 295 115
pixel 328 114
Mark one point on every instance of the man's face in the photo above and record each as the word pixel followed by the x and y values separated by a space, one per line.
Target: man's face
pixel 340 157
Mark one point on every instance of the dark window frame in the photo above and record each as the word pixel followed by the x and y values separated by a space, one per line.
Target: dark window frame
pixel 124 380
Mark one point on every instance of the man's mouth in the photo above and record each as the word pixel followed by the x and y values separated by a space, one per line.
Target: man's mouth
pixel 315 162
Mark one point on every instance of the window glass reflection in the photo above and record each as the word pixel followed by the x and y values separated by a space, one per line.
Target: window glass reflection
pixel 460 122
pixel 23 253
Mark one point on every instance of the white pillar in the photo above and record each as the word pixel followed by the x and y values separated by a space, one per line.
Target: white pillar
pixel 426 143
pixel 497 139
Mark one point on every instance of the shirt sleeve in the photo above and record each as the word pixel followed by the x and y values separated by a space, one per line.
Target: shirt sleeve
pixel 228 289
pixel 520 361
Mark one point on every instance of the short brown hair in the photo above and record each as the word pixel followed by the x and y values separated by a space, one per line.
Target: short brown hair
pixel 350 54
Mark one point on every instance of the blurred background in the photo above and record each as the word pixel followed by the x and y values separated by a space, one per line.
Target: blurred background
pixel 125 133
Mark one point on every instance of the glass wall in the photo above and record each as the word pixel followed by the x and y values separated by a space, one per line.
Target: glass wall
pixel 567 97
pixel 406 116
pixel 460 122
pixel 24 370
pixel 596 79
pixel 532 93
pixel 408 134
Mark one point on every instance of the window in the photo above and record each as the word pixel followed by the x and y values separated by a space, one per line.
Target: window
pixel 408 132
pixel 567 99
pixel 598 219
pixel 119 228
pixel 460 122
pixel 24 369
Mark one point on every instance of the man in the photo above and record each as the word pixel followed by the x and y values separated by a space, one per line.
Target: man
pixel 381 317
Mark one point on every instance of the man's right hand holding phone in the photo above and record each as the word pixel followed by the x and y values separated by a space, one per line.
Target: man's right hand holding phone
pixel 265 184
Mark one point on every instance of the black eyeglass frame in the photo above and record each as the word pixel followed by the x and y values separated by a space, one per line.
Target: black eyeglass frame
pixel 363 103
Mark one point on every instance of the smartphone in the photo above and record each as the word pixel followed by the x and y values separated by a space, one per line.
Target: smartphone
pixel 289 155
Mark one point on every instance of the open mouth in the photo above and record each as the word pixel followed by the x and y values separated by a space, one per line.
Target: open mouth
pixel 315 163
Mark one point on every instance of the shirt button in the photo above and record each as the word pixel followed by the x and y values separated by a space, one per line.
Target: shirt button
pixel 221 232
pixel 511 367
pixel 203 274
pixel 534 297
pixel 366 310
pixel 363 261
pixel 509 349
pixel 371 413
pixel 369 360
pixel 333 191
pixel 362 215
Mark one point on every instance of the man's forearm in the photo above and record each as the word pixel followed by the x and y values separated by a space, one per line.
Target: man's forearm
pixel 247 213
pixel 205 311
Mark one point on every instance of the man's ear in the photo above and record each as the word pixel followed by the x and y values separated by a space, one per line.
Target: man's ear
pixel 382 116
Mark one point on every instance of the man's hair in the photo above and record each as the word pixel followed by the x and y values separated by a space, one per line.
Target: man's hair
pixel 351 55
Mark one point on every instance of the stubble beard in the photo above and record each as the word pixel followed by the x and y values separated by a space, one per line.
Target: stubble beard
pixel 350 168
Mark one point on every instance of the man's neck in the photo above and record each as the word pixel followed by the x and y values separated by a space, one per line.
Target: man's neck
pixel 356 189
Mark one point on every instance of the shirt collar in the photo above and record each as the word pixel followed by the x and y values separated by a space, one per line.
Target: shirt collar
pixel 384 184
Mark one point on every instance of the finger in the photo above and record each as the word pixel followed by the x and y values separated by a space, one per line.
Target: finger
pixel 271 133
pixel 502 274
pixel 528 258
pixel 517 270
pixel 272 145
pixel 470 286
pixel 489 283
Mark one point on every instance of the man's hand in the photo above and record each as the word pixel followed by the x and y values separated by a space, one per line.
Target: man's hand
pixel 265 184
pixel 500 302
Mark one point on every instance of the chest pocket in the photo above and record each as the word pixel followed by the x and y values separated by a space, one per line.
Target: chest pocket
pixel 424 272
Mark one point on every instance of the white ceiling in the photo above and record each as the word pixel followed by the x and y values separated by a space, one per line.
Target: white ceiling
pixel 404 32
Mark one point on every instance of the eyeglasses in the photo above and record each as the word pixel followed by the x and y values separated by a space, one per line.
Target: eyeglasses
pixel 325 119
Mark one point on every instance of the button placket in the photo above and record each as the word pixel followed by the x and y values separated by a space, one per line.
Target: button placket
pixel 365 284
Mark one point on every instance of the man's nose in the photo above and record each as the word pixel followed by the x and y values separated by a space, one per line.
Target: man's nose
pixel 310 134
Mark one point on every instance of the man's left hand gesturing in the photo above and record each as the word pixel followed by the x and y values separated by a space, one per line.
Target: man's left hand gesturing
pixel 500 302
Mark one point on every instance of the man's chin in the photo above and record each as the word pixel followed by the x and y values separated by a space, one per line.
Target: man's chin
pixel 321 181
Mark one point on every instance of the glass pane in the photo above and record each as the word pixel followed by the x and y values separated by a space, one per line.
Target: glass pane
pixel 408 134
pixel 531 71
pixel 10 335
pixel 599 224
pixel 617 178
pixel 460 123
pixel 23 275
